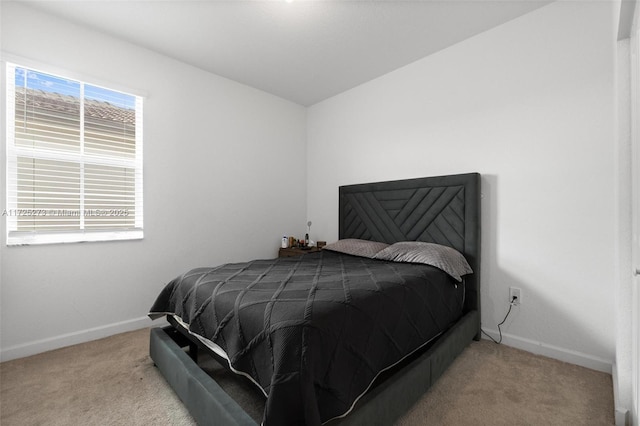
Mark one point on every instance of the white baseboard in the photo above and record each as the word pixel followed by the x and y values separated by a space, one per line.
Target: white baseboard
pixel 555 352
pixel 82 336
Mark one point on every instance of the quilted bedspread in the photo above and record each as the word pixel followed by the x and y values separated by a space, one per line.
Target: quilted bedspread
pixel 313 331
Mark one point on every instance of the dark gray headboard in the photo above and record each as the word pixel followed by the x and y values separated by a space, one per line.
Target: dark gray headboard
pixel 442 209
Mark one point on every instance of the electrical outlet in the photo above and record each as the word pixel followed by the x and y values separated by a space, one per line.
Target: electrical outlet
pixel 515 292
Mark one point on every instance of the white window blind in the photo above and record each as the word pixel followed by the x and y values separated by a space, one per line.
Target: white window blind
pixel 74 160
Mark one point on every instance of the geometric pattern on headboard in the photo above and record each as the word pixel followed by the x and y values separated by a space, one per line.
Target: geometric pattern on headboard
pixel 442 209
pixel 434 214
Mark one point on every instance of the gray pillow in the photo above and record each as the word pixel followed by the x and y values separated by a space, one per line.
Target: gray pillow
pixel 446 258
pixel 355 247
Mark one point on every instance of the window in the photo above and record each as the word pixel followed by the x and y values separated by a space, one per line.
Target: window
pixel 74 160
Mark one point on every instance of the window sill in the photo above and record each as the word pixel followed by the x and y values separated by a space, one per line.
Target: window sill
pixel 32 238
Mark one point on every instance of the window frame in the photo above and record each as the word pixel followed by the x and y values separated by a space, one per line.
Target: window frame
pixel 11 212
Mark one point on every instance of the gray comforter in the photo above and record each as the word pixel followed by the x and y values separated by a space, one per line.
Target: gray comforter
pixel 314 331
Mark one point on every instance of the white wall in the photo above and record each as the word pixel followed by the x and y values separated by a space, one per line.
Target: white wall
pixel 215 189
pixel 531 106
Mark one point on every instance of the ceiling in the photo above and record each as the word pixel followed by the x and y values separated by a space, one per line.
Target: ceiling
pixel 303 51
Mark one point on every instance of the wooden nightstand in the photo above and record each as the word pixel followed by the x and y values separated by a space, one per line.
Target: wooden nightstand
pixel 296 251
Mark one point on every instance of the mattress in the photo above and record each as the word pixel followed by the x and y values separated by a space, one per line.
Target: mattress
pixel 313 332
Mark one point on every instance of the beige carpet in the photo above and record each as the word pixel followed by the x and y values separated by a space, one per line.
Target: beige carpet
pixel 113 382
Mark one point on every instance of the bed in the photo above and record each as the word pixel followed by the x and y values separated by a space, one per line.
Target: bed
pixel 333 337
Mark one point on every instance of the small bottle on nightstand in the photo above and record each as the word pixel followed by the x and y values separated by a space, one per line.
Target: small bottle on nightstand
pixel 285 242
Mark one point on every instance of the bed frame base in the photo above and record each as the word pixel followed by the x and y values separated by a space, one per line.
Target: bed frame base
pixel 209 404
pixel 206 401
